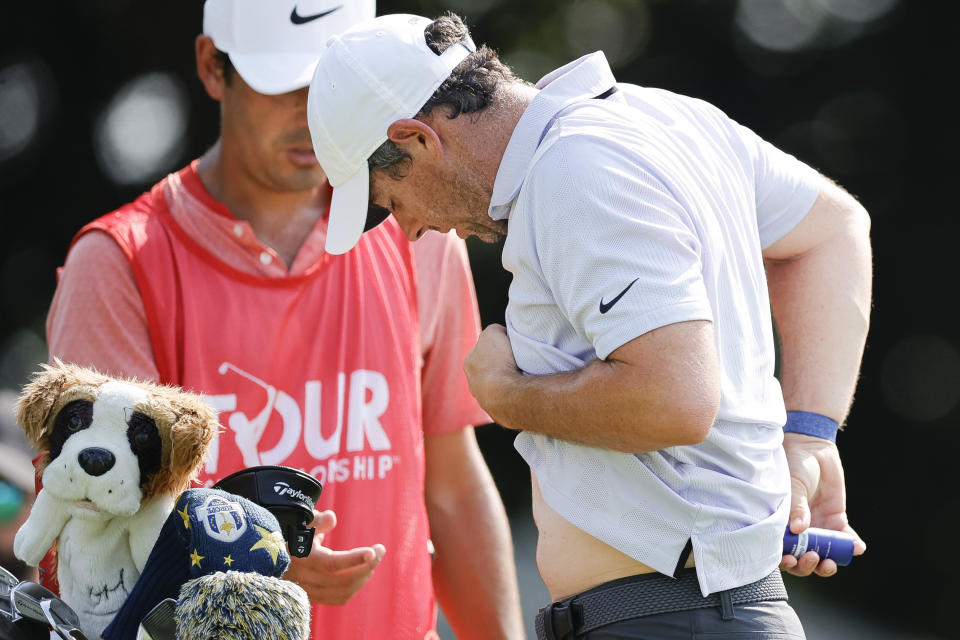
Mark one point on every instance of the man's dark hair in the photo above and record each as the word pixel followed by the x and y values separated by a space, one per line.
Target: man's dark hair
pixel 470 88
pixel 226 66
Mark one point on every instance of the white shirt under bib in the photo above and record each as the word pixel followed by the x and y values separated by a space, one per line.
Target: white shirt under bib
pixel 667 193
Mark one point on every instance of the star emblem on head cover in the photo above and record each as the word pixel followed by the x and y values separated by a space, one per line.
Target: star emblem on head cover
pixel 186 517
pixel 272 541
pixel 222 519
pixel 195 558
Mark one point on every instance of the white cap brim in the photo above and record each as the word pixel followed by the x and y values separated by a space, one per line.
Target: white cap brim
pixel 348 212
pixel 275 73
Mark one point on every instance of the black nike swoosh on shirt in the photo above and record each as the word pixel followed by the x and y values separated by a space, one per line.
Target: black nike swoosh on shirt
pixel 606 306
pixel 296 18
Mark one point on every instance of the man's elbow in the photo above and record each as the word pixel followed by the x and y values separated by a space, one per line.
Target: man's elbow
pixel 694 418
pixel 855 216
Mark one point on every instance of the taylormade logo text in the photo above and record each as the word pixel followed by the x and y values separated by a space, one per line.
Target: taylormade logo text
pixel 282 488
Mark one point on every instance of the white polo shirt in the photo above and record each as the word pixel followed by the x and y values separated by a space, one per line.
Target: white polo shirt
pixel 631 213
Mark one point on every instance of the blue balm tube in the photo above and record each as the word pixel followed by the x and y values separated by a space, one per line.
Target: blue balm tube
pixel 836 545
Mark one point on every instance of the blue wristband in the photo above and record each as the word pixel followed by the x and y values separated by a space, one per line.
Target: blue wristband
pixel 811 424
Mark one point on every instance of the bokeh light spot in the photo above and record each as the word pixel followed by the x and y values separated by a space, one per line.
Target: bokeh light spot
pixel 921 377
pixel 858 132
pixel 531 64
pixel 859 10
pixel 780 25
pixel 621 30
pixel 25 100
pixel 142 131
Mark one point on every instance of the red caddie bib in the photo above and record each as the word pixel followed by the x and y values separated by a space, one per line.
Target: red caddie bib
pixel 318 371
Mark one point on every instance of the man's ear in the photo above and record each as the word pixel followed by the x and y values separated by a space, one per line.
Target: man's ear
pixel 415 137
pixel 209 68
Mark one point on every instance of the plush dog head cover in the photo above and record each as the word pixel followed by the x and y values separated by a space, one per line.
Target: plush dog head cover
pixel 160 434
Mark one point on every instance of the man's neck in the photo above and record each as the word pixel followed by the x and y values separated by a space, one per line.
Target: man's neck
pixel 281 220
pixel 484 139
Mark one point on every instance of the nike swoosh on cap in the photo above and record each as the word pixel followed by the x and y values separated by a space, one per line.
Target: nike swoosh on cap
pixel 296 18
pixel 606 306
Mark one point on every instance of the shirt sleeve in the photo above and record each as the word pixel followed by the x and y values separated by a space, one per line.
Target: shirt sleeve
pixel 617 250
pixel 786 188
pixel 449 325
pixel 97 318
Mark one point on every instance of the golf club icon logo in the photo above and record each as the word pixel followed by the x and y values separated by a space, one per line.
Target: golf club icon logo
pixel 249 431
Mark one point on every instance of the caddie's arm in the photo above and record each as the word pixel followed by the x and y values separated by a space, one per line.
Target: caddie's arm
pixel 474 574
pixel 658 390
pixel 820 278
pixel 97 317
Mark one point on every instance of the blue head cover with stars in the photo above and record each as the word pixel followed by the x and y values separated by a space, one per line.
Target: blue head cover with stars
pixel 209 530
pixel 226 532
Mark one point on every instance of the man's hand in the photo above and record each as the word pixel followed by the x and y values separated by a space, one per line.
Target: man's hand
pixel 489 366
pixel 819 499
pixel 332 577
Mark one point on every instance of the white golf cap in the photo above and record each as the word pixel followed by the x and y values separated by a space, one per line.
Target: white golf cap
pixel 274 44
pixel 370 76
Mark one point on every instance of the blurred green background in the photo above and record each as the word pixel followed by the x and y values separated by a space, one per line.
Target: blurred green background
pixel 98 99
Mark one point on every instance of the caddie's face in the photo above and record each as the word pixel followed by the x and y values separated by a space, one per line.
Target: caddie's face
pixel 438 195
pixel 270 136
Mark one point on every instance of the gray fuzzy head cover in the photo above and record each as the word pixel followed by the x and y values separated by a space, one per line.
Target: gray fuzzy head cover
pixel 233 605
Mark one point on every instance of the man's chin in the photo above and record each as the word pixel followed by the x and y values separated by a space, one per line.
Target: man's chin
pixel 304 179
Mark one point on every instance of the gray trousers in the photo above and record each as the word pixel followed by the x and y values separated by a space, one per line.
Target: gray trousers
pixel 657 607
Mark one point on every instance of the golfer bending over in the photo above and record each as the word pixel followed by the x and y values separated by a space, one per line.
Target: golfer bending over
pixel 648 236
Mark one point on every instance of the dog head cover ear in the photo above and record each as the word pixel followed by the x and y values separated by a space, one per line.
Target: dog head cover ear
pixel 43 394
pixel 190 427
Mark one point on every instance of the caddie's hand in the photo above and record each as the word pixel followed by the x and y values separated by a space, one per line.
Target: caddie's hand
pixel 489 366
pixel 328 576
pixel 819 499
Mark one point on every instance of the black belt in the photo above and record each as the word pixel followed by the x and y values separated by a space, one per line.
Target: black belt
pixel 646 595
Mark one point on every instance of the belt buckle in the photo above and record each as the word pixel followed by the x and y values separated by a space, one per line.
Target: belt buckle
pixel 561 620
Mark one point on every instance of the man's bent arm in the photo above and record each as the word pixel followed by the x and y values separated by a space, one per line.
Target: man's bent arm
pixel 473 571
pixel 820 277
pixel 658 390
